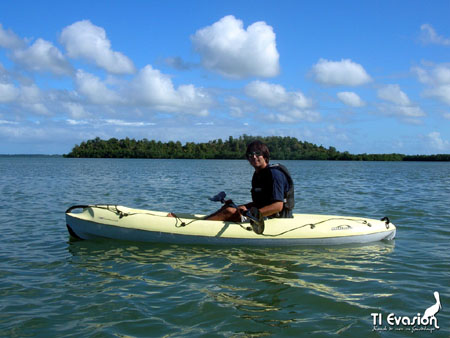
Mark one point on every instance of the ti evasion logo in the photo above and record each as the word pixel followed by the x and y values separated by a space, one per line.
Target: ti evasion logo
pixel 425 322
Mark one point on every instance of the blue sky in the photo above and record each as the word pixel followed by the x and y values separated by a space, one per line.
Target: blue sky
pixel 362 76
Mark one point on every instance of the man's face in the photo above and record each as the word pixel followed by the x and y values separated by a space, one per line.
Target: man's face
pixel 257 160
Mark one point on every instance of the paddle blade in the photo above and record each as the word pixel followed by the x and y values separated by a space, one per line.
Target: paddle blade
pixel 220 197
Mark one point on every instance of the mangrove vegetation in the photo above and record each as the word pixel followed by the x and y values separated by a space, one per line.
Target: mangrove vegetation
pixel 281 148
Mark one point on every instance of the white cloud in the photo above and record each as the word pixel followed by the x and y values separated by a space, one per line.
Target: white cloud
pixel 98 123
pixel 410 111
pixel 76 122
pixel 289 106
pixel 8 39
pixel 87 41
pixel 76 110
pixel 33 99
pixel 31 94
pixel 149 89
pixel 350 99
pixel 204 124
pixel 437 142
pixel 94 89
pixel 154 89
pixel 8 92
pixel 437 78
pixel 442 92
pixel 429 35
pixel 274 95
pixel 294 115
pixel 8 122
pixel 237 107
pixel 42 56
pixel 399 103
pixel 227 48
pixel 123 123
pixel 394 94
pixel 434 75
pixel 28 97
pixel 340 73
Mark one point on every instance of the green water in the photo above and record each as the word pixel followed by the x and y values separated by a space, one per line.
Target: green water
pixel 52 286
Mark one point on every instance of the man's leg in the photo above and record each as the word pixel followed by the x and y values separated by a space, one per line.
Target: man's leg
pixel 226 213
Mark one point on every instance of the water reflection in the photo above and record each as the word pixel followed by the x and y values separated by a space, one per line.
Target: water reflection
pixel 254 282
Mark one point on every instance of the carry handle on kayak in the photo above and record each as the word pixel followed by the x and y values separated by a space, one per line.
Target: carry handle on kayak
pixel 77 207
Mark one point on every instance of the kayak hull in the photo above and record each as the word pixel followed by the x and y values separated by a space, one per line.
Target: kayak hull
pixel 122 223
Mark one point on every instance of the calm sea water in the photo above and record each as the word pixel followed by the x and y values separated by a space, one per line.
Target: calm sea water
pixel 53 286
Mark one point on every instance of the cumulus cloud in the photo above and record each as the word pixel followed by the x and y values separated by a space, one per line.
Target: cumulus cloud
pixel 394 94
pixel 399 103
pixel 152 88
pixel 340 73
pixel 149 89
pixel 32 98
pixel 437 78
pixel 441 92
pixel 29 97
pixel 87 41
pixel 294 116
pixel 429 35
pixel 75 110
pixel 289 106
pixel 94 89
pixel 8 92
pixel 42 56
pixel 274 95
pixel 436 141
pixel 350 99
pixel 8 39
pixel 238 107
pixel 227 48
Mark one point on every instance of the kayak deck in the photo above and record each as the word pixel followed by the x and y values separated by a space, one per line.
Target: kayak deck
pixel 119 222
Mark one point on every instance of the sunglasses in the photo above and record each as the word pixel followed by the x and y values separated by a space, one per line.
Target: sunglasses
pixel 253 153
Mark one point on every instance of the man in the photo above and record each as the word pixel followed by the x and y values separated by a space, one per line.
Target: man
pixel 272 189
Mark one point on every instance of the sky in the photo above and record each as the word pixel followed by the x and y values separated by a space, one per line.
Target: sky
pixel 361 76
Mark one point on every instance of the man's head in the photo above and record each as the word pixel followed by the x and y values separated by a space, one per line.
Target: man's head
pixel 257 148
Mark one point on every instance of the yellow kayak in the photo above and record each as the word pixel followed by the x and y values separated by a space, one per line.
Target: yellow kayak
pixel 119 222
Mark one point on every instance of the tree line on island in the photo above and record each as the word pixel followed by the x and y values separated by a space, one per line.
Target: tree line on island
pixel 281 148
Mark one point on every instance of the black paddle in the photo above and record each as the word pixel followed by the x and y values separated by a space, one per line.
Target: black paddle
pixel 255 216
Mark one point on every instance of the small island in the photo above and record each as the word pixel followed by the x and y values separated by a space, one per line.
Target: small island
pixel 281 148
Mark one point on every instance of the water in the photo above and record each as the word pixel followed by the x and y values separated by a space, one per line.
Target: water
pixel 53 286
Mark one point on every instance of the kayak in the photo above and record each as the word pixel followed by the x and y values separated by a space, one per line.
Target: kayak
pixel 123 223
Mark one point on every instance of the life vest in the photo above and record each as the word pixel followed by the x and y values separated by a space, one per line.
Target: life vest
pixel 262 187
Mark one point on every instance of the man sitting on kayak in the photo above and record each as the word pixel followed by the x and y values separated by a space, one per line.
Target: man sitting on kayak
pixel 272 189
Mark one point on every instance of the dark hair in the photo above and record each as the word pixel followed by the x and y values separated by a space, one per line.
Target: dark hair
pixel 261 147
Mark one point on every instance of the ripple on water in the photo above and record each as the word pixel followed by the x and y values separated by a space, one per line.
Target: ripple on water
pixel 52 286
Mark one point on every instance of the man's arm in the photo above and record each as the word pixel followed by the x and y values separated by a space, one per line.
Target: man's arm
pixel 271 209
pixel 266 211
